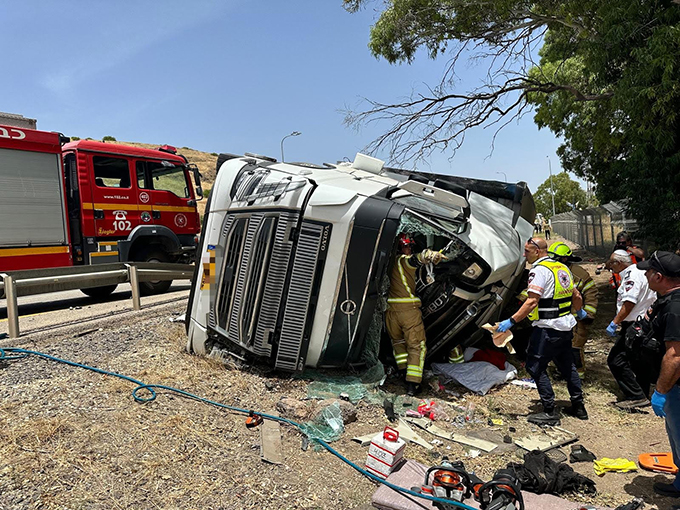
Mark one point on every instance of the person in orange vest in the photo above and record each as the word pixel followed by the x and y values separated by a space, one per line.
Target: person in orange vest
pixel 403 318
pixel 625 242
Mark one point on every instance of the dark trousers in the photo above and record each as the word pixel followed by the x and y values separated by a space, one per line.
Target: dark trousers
pixel 631 375
pixel 546 345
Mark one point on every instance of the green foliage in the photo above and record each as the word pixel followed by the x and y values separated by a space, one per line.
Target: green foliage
pixel 567 192
pixel 108 138
pixel 74 138
pixel 607 83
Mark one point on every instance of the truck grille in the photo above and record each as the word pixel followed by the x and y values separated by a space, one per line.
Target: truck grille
pixel 299 291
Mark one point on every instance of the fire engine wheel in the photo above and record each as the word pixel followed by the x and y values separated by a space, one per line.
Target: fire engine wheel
pixel 156 286
pixel 99 292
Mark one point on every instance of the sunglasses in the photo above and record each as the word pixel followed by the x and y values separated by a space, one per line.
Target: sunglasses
pixel 656 257
pixel 531 241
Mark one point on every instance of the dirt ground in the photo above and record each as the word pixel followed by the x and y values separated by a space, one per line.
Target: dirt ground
pixel 75 439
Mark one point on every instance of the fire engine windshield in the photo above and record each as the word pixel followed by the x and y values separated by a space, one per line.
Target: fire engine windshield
pixel 163 176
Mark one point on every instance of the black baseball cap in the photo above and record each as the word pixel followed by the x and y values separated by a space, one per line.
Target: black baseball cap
pixel 664 262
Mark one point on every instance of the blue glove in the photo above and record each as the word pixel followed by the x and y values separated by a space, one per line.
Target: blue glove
pixel 504 326
pixel 581 314
pixel 658 403
pixel 611 329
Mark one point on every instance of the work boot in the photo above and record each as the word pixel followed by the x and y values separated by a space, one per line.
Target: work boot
pixel 412 388
pixel 551 417
pixel 630 404
pixel 578 410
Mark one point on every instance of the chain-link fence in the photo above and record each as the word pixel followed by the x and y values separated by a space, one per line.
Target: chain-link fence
pixel 595 229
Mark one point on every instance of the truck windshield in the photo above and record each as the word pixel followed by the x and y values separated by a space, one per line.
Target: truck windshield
pixel 451 219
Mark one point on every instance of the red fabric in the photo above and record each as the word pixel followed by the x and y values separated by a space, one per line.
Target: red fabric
pixel 494 357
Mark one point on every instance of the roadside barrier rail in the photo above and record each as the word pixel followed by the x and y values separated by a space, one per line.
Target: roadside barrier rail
pixel 42 281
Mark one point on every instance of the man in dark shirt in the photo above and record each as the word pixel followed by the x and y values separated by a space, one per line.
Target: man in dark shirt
pixel 662 270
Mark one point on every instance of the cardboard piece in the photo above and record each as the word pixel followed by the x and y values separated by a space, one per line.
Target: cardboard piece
pixel 270 441
pixel 429 426
pixel 405 432
pixel 500 339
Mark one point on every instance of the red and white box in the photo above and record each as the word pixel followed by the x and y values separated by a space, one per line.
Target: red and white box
pixel 385 452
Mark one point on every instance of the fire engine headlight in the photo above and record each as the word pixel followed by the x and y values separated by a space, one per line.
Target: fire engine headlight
pixel 473 271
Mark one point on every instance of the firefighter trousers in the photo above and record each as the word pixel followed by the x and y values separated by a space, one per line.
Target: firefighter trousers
pixel 407 333
pixel 578 344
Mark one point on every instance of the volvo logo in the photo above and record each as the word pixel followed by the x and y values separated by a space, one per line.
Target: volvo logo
pixel 324 237
pixel 16 134
pixel 348 307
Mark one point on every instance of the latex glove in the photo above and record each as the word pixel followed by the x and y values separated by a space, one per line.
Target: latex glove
pixel 658 403
pixel 581 314
pixel 611 329
pixel 504 326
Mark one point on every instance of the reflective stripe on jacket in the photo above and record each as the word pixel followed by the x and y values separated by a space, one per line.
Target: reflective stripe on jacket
pixel 559 304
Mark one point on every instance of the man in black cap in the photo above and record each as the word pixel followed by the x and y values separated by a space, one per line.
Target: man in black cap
pixel 662 271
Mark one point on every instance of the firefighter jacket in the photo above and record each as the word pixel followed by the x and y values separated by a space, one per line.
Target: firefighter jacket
pixel 402 295
pixel 559 304
pixel 586 286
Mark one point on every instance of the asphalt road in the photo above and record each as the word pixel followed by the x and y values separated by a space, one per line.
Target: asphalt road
pixel 46 311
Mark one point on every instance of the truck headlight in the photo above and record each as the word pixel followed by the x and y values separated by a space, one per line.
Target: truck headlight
pixel 473 271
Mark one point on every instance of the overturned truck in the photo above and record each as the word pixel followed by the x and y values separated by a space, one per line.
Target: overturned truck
pixel 295 258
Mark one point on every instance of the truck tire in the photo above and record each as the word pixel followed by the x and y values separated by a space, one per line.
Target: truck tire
pixel 159 286
pixel 99 292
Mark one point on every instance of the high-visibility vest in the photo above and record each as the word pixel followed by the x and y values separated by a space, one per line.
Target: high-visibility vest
pixel 559 304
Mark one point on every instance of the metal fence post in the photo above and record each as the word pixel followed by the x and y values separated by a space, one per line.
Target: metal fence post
pixel 134 283
pixel 12 306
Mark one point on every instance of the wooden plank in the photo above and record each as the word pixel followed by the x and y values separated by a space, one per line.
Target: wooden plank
pixel 270 441
pixel 548 442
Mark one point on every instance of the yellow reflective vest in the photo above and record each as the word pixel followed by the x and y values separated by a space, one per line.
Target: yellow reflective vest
pixel 559 304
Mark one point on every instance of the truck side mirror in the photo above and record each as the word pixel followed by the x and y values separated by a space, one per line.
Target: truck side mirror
pixel 197 180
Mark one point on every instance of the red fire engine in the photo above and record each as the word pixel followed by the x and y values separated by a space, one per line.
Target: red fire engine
pixel 70 203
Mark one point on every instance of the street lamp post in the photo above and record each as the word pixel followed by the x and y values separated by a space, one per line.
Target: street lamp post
pixel 552 188
pixel 505 177
pixel 294 133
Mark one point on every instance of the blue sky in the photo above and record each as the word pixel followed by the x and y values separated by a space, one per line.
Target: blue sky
pixel 228 76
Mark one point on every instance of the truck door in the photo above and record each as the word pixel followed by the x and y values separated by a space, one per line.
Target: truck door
pixel 114 197
pixel 166 188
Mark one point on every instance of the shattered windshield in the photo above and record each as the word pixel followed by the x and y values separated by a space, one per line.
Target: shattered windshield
pixel 445 216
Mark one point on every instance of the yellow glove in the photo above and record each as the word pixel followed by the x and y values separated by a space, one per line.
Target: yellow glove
pixel 431 257
pixel 619 465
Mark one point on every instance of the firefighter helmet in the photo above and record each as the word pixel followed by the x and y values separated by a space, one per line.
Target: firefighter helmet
pixel 405 241
pixel 560 250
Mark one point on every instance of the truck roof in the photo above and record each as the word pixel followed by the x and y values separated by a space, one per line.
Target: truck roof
pixel 12 137
pixel 125 150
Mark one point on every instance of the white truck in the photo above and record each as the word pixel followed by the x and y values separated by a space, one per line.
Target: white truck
pixel 294 258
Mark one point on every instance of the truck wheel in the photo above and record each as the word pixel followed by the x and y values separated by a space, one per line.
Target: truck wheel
pixel 157 286
pixel 99 292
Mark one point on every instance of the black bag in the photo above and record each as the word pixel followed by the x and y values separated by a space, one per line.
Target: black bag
pixel 641 345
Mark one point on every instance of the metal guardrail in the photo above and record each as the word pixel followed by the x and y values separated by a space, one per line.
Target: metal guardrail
pixel 42 281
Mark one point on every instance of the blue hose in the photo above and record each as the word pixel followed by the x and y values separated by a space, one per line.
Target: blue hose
pixel 150 388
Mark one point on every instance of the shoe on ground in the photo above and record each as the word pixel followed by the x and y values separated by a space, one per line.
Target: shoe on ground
pixel 577 410
pixel 412 388
pixel 666 489
pixel 627 405
pixel 544 418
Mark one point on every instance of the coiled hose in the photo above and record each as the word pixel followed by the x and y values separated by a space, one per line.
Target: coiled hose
pixel 15 353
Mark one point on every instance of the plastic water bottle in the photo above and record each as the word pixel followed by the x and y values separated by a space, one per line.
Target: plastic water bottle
pixel 470 411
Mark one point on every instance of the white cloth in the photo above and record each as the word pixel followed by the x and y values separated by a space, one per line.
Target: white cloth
pixel 542 282
pixel 634 288
pixel 478 376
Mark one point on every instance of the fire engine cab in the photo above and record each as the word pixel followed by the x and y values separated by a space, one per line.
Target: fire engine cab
pixel 85 202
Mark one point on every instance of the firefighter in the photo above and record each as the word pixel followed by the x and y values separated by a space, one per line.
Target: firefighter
pixel 586 286
pixel 403 318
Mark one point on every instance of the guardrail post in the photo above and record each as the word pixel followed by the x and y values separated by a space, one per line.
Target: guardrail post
pixel 12 306
pixel 134 283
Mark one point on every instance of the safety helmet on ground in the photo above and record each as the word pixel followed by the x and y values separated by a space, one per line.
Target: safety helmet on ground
pixel 405 241
pixel 559 250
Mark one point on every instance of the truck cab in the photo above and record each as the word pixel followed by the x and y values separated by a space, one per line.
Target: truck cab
pixel 128 203
pixel 295 257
